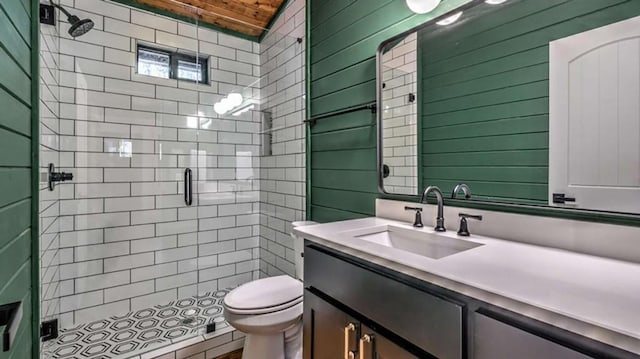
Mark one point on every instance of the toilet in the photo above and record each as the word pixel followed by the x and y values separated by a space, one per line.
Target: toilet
pixel 269 312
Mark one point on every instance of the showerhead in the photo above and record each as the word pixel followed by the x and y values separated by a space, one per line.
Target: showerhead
pixel 78 27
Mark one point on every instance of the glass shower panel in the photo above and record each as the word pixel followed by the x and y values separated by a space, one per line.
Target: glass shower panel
pixel 209 300
pixel 129 218
pixel 228 165
pixel 49 198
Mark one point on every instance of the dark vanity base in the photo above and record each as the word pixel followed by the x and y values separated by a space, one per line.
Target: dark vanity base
pixel 393 315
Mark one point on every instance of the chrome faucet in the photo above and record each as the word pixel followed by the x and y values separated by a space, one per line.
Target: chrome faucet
pixel 465 189
pixel 440 217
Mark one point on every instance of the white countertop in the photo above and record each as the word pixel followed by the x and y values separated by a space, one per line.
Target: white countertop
pixel 599 292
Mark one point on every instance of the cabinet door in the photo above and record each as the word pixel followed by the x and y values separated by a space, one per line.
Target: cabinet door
pixel 329 333
pixel 494 339
pixel 374 346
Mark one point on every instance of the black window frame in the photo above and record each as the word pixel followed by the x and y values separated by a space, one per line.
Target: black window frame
pixel 174 57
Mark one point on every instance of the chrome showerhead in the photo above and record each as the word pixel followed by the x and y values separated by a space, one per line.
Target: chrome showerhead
pixel 78 27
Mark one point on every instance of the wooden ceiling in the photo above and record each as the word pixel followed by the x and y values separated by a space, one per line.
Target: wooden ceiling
pixel 248 17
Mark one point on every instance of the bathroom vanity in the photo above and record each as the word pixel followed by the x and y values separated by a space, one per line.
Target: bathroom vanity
pixel 366 300
pixel 528 107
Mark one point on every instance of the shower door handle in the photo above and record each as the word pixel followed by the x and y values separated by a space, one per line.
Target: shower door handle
pixel 188 187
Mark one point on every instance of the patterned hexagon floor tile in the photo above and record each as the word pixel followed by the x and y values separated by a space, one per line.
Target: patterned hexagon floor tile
pixel 144 329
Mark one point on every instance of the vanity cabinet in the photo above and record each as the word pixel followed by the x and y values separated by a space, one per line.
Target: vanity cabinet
pixel 355 309
pixel 496 339
pixel 429 322
pixel 331 334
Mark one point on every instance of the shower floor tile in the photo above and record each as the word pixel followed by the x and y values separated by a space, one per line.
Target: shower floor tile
pixel 141 331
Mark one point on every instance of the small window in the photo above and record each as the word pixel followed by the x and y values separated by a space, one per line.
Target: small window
pixel 154 63
pixel 189 71
pixel 172 65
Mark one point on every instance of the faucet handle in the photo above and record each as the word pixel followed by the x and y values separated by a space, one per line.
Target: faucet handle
pixel 418 221
pixel 477 217
pixel 464 227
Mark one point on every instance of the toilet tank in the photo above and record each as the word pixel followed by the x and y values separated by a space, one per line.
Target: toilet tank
pixel 298 247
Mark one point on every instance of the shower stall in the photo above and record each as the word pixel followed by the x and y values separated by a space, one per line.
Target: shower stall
pixel 171 161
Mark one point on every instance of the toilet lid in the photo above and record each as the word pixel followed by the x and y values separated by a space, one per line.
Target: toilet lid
pixel 264 293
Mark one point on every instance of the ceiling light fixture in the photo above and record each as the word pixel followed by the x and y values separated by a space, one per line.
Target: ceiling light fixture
pixel 450 20
pixel 220 108
pixel 422 6
pixel 235 99
pixel 228 103
pixel 495 2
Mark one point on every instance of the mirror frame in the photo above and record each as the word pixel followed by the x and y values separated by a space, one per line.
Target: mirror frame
pixel 589 215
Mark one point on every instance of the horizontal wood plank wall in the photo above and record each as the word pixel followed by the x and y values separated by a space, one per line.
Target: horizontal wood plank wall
pixel 344 37
pixel 15 166
pixel 485 94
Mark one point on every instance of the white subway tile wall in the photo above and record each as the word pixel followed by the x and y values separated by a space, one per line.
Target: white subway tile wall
pixel 400 117
pixel 128 239
pixel 282 181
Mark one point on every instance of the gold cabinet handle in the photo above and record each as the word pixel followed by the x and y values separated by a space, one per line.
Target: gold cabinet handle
pixel 348 354
pixel 364 340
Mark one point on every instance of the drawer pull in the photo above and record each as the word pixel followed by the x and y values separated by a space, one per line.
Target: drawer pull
pixel 366 339
pixel 348 354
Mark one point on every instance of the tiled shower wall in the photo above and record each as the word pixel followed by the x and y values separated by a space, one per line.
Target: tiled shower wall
pixel 49 153
pixel 282 184
pixel 400 116
pixel 127 239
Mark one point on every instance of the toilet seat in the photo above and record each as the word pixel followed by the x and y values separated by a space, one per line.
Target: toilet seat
pixel 264 296
pixel 268 323
pixel 267 310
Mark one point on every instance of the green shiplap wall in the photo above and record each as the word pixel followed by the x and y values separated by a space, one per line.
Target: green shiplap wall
pixel 485 94
pixel 343 36
pixel 18 101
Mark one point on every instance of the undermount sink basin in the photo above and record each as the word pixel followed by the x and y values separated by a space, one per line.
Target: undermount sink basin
pixel 426 244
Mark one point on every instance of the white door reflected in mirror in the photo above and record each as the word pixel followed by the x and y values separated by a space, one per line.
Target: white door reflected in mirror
pixel 594 124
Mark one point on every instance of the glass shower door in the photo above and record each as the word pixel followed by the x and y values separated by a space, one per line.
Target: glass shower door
pixel 143 255
pixel 176 172
pixel 228 177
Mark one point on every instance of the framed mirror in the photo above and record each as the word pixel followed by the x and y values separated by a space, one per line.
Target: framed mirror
pixel 533 103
